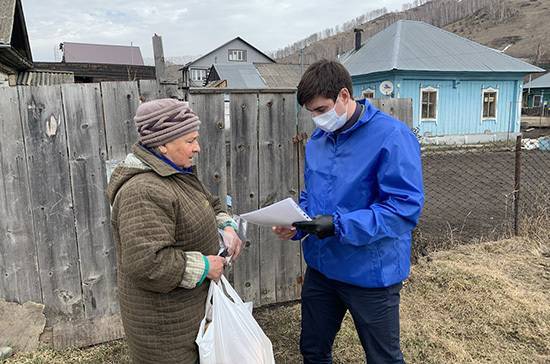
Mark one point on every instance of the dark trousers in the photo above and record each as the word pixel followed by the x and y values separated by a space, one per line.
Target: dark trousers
pixel 375 312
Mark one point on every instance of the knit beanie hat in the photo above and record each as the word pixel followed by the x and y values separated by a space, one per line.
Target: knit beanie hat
pixel 160 121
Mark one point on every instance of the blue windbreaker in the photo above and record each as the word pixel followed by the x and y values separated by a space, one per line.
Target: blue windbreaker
pixel 369 178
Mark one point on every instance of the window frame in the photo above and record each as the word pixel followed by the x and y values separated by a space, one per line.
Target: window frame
pixel 368 90
pixel 483 92
pixel 539 97
pixel 242 51
pixel 436 111
pixel 200 71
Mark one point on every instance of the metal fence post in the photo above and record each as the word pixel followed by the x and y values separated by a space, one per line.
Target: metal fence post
pixel 517 185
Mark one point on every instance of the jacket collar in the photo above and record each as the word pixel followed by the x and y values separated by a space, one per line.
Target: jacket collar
pixel 161 165
pixel 368 113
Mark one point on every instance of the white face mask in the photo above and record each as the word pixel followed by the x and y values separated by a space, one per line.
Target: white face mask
pixel 330 121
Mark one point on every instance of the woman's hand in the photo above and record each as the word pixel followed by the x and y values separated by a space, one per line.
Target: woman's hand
pixel 284 233
pixel 232 242
pixel 216 264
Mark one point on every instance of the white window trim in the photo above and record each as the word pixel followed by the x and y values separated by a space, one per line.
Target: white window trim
pixel 193 71
pixel 429 89
pixel 540 100
pixel 363 92
pixel 489 89
pixel 242 51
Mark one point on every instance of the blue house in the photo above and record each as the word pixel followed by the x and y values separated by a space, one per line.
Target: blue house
pixel 537 92
pixel 461 91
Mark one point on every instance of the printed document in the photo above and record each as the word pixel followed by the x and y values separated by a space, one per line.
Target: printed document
pixel 282 213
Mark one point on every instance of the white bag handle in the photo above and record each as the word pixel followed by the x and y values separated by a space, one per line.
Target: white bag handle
pixel 230 290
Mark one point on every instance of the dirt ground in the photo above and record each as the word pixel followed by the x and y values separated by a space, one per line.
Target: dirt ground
pixel 486 302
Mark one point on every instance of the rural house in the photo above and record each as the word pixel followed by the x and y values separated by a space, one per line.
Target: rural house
pixel 16 65
pixel 537 92
pixel 236 51
pixel 101 62
pixel 461 91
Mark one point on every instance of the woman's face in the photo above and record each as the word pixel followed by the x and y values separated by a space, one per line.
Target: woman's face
pixel 182 150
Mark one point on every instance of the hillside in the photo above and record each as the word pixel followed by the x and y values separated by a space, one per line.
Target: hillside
pixel 528 31
pixel 522 24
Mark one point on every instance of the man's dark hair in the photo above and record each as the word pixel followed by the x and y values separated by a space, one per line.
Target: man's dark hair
pixel 323 78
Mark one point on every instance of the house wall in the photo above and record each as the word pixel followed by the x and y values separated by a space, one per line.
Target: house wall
pixel 221 56
pixel 4 81
pixel 459 106
pixel 544 92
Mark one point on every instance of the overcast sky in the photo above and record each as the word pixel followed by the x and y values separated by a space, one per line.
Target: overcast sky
pixel 188 27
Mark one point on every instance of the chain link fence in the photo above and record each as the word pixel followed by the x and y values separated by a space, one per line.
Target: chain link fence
pixel 481 192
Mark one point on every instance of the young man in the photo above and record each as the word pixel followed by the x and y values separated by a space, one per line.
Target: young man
pixel 363 186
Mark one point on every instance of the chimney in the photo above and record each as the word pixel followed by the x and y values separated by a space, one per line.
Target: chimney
pixel 357 32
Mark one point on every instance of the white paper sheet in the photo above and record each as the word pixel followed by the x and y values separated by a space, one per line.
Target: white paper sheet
pixel 282 213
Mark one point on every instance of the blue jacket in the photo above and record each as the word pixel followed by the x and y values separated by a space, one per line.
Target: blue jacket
pixel 369 178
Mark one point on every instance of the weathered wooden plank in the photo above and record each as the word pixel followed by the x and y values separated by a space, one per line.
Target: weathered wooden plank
pixel 54 230
pixel 212 168
pixel 87 332
pixel 280 261
pixel 87 152
pixel 18 261
pixel 120 101
pixel 244 173
pixel 400 109
pixel 149 90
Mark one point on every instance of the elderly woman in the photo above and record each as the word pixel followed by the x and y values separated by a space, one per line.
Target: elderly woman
pixel 165 225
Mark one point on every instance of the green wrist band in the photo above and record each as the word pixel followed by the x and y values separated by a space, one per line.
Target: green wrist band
pixel 206 269
pixel 229 223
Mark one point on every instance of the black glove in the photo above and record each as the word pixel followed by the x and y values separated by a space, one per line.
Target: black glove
pixel 321 225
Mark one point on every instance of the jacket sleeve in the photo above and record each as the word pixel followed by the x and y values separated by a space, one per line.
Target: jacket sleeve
pixel 146 224
pixel 400 195
pixel 303 204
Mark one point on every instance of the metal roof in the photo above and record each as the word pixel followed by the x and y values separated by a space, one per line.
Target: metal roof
pixel 44 78
pixel 541 82
pixel 418 46
pixel 243 75
pixel 281 75
pixel 101 53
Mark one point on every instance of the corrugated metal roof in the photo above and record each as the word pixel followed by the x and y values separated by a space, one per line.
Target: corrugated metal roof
pixel 541 82
pixel 418 46
pixel 7 11
pixel 101 53
pixel 44 78
pixel 281 75
pixel 243 75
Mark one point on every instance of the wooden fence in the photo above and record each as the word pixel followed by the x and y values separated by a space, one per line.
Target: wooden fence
pixel 55 238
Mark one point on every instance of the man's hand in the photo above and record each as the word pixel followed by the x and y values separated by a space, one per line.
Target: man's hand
pixel 284 233
pixel 232 242
pixel 216 264
pixel 321 225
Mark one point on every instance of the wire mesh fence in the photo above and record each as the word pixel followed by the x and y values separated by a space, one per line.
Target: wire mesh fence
pixel 480 192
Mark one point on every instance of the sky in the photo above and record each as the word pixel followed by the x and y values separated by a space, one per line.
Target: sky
pixel 189 27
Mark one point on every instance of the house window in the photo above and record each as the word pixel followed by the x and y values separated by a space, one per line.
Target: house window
pixel 429 104
pixel 537 100
pixel 368 94
pixel 489 103
pixel 198 74
pixel 237 55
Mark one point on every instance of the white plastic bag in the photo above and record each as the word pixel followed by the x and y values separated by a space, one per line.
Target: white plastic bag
pixel 233 335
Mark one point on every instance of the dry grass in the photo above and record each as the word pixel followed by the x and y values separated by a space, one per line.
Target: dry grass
pixel 487 302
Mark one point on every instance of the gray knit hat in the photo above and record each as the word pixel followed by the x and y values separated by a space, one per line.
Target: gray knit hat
pixel 163 120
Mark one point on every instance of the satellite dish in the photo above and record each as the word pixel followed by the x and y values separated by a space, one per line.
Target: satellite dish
pixel 386 88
